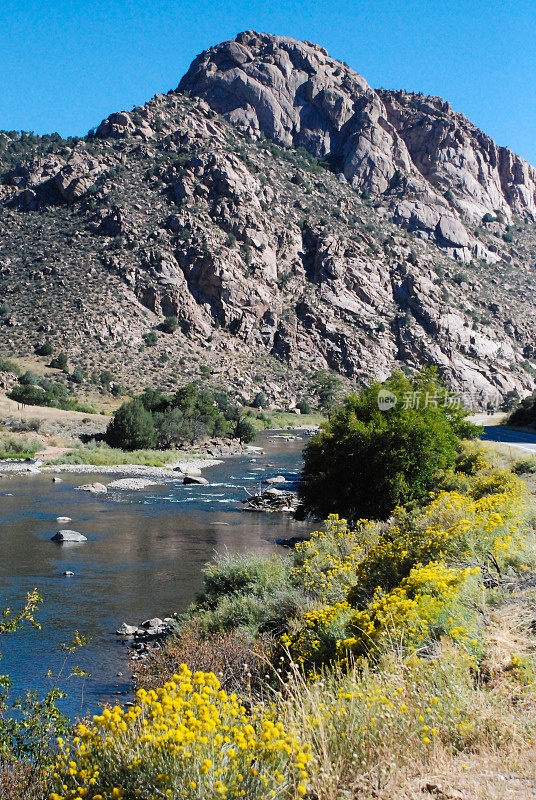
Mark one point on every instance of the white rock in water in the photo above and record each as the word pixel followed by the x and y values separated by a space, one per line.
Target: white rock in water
pixel 94 488
pixel 194 479
pixel 63 519
pixel 127 630
pixel 69 536
pixel 155 622
pixel 68 572
pixel 132 483
pixel 56 480
pixel 275 479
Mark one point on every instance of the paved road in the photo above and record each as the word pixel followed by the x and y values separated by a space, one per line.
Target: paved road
pixel 519 439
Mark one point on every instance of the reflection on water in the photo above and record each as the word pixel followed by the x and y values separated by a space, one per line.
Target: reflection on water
pixel 143 558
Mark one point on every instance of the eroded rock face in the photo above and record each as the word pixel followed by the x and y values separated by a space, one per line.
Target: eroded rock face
pixel 295 94
pixel 273 264
pixel 390 143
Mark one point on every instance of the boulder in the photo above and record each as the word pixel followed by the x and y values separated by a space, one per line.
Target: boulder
pixel 68 573
pixel 195 479
pixel 127 630
pixel 69 536
pixel 63 519
pixel 275 479
pixel 93 488
pixel 155 622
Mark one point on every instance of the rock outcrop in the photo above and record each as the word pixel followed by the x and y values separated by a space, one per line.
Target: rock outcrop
pixel 389 143
pixel 293 220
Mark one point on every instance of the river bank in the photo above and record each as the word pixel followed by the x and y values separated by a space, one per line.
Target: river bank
pixel 143 557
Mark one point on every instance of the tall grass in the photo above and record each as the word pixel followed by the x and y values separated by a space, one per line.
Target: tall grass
pixel 18 446
pixel 102 455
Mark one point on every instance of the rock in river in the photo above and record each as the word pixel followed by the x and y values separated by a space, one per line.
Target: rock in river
pixel 94 488
pixel 127 630
pixel 195 479
pixel 272 500
pixel 69 536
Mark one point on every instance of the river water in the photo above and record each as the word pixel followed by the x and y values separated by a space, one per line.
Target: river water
pixel 143 558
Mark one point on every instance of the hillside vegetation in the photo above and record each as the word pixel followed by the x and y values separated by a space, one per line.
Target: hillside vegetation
pixel 390 659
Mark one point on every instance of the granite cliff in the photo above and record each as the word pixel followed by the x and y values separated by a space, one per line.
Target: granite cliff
pixel 290 216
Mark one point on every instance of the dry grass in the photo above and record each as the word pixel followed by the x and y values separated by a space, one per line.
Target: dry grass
pixel 240 664
pixel 10 408
pixel 18 781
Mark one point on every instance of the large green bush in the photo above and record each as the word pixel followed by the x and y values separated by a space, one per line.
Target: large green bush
pixel 132 427
pixel 365 461
pixel 524 414
pixel 187 417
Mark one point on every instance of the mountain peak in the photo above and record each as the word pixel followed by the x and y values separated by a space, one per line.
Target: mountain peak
pixel 428 165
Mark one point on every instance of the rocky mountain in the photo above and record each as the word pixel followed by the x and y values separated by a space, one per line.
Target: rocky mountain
pixel 292 219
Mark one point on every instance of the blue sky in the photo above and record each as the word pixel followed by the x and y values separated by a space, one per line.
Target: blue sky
pixel 66 64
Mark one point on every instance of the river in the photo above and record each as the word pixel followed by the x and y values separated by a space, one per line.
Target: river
pixel 143 558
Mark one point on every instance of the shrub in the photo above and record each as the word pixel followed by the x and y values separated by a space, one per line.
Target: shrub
pixel 187 739
pixel 18 447
pixel 366 461
pixel 53 396
pixel 326 387
pixel 150 338
pixel 60 362
pixel 170 324
pixel 7 365
pixel 260 400
pixel 132 427
pixel 303 407
pixel 488 218
pixel 365 727
pixel 28 378
pixel 44 349
pixel 247 592
pixel 524 414
pixel 239 663
pixel 186 417
pixel 244 430
pixel 510 400
pixel 77 376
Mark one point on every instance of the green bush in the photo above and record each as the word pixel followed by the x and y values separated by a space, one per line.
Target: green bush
pixel 28 378
pixel 45 349
pixel 132 427
pixel 260 400
pixel 524 415
pixel 366 461
pixel 50 395
pixel 60 362
pixel 18 447
pixel 244 430
pixel 150 338
pixel 7 365
pixel 188 416
pixel 170 324
pixel 247 592
pixel 326 387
